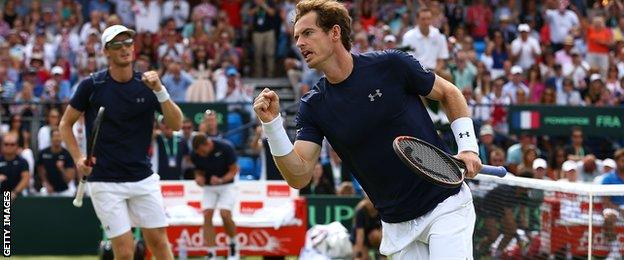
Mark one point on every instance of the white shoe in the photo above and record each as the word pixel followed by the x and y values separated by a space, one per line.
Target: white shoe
pixel 614 255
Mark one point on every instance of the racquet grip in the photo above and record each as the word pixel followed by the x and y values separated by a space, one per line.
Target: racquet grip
pixel 499 171
pixel 80 193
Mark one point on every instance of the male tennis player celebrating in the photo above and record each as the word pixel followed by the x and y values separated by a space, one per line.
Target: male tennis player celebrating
pixel 124 190
pixel 360 106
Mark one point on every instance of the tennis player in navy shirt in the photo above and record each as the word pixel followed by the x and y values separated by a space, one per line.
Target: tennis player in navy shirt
pixel 362 104
pixel 124 190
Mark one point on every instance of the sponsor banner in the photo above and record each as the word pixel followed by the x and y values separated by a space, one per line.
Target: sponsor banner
pixel 557 120
pixel 325 209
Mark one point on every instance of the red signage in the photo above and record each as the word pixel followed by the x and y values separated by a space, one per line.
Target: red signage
pixel 278 190
pixel 172 190
pixel 249 207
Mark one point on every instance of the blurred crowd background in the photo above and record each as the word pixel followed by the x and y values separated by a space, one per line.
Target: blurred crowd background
pixel 498 52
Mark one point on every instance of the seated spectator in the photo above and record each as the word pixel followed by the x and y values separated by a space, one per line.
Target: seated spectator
pixel 577 150
pixel 570 172
pixel 55 167
pixel 613 206
pixel 209 125
pixel 43 136
pixel 319 184
pixel 569 96
pixel 539 169
pixel 366 232
pixel 589 168
pixel 511 88
pixel 14 173
pixel 177 81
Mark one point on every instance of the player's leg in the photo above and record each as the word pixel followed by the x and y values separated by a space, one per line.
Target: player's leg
pixel 208 204
pixel 157 242
pixel 145 208
pixel 123 246
pixel 109 203
pixel 450 235
pixel 225 203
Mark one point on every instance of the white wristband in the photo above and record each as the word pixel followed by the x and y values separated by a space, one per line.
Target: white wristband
pixel 162 95
pixel 278 139
pixel 465 136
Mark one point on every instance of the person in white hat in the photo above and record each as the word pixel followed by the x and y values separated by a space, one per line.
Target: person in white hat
pixel 539 169
pixel 124 190
pixel 525 49
pixel 569 169
pixel 511 88
pixel 64 91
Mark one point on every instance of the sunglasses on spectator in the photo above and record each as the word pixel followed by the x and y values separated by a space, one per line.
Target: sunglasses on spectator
pixel 10 144
pixel 118 44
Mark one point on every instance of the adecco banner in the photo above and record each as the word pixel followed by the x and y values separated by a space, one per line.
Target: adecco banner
pixel 195 111
pixel 557 120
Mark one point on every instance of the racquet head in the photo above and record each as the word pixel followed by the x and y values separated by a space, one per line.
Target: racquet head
pixel 428 161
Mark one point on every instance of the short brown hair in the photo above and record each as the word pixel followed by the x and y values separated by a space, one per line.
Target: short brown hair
pixel 619 153
pixel 329 13
pixel 198 140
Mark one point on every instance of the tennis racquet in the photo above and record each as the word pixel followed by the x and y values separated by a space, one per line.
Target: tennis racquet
pixel 434 164
pixel 90 148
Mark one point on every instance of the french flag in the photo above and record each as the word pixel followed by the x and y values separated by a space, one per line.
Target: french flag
pixel 526 120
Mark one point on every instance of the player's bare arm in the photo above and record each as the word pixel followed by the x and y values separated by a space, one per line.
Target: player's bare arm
pixel 296 163
pixel 456 107
pixel 172 115
pixel 232 170
pixel 67 121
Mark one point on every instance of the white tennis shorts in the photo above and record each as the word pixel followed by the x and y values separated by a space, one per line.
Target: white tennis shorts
pixel 443 233
pixel 122 205
pixel 219 197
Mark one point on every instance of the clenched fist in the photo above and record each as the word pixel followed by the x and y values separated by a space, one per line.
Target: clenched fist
pixel 150 78
pixel 266 105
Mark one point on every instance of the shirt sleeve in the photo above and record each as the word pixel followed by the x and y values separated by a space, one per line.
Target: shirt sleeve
pixel 419 80
pixel 23 166
pixel 69 161
pixel 230 154
pixel 307 130
pixel 80 100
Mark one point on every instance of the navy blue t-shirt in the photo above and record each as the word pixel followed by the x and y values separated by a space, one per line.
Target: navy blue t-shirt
pixel 126 131
pixel 12 169
pixel 48 160
pixel 361 116
pixel 217 162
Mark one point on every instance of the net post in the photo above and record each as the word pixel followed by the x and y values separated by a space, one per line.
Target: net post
pixel 591 217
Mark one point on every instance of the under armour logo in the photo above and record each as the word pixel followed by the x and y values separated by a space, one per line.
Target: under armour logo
pixel 377 94
pixel 140 100
pixel 461 135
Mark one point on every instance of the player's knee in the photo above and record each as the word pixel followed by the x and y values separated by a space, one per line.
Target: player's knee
pixel 124 252
pixel 226 214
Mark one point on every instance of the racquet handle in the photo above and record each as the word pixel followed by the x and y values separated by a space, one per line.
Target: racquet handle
pixel 80 193
pixel 499 171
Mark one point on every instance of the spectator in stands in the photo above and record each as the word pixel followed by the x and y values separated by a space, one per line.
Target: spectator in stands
pixel 577 150
pixel 540 169
pixel 95 25
pixel 44 134
pixel 268 170
pixel 171 151
pixel 578 70
pixel 14 173
pixel 564 55
pixel 549 97
pixel 171 47
pixel 366 231
pixel 593 96
pixel 147 15
pixel 177 81
pixel 608 165
pixel 209 125
pixel 486 142
pixel 525 50
pixel 465 72
pixel 516 151
pixel 478 19
pixel 560 21
pixel 264 17
pixel 589 168
pixel 178 10
pixel 614 206
pixel 569 96
pixel 55 167
pixel 321 183
pixel 570 172
pixel 511 88
pixel 216 167
pixel 528 156
pixel 535 85
pixel 599 41
pixel 188 132
pixel 612 80
pixel 426 43
pixel 57 88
